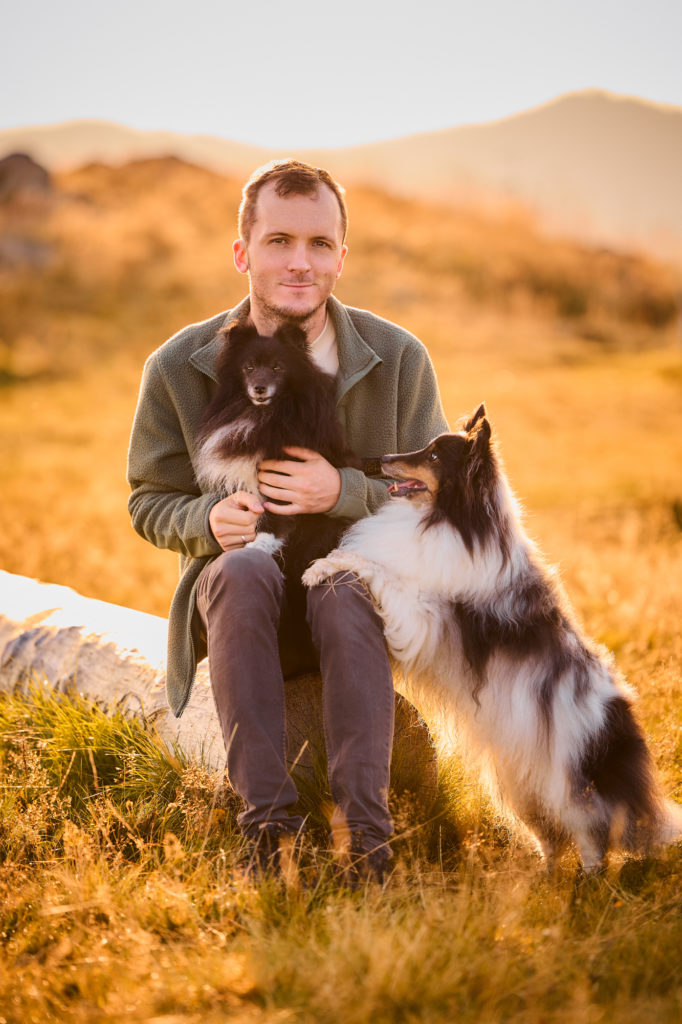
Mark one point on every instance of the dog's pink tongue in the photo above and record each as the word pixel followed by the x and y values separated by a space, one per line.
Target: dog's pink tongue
pixel 402 487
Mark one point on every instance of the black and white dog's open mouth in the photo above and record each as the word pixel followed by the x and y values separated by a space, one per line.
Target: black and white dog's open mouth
pixel 402 488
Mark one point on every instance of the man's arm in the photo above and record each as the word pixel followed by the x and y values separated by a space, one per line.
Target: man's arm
pixel 165 503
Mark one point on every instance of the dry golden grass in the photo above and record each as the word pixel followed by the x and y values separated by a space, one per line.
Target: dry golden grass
pixel 124 905
pixel 121 899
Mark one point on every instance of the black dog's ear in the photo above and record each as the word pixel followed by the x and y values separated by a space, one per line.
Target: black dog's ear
pixel 474 418
pixel 237 332
pixel 292 334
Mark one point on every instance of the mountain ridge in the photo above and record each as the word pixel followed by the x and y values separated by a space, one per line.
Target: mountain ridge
pixel 596 165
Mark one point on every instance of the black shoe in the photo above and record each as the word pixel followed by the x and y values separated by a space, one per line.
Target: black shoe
pixel 273 853
pixel 367 863
pixel 262 856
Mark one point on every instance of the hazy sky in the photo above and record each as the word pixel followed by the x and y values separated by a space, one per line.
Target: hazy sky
pixel 281 73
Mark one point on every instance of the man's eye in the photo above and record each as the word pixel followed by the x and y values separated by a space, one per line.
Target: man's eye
pixel 323 243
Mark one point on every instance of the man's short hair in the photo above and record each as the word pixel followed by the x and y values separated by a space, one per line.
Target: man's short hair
pixel 292 178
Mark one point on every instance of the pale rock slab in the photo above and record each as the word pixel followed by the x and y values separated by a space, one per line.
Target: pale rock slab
pixel 50 635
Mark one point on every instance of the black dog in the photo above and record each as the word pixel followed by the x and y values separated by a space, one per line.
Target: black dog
pixel 271 394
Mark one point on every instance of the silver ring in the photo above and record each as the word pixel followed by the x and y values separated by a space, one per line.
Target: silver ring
pixel 244 540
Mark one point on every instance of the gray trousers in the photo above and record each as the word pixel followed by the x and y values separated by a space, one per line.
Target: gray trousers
pixel 255 639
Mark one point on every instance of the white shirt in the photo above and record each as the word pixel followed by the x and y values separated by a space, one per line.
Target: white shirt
pixel 323 350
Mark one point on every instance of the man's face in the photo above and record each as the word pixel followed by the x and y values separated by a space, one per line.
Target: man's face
pixel 293 257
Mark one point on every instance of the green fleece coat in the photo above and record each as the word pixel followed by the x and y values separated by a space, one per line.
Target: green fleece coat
pixel 387 399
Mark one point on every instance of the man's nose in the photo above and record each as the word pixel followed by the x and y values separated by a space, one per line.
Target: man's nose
pixel 298 257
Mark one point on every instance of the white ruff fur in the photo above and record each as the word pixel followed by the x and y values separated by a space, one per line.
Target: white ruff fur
pixel 414 575
pixel 234 473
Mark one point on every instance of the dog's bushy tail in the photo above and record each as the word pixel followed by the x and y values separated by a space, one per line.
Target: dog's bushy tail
pixel 619 764
pixel 646 835
pixel 669 826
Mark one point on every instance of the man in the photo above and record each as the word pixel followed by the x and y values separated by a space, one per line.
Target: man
pixel 229 602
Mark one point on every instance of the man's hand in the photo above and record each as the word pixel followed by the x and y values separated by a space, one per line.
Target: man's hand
pixel 233 520
pixel 311 485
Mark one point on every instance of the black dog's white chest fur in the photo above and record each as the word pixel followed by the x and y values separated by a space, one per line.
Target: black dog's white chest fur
pixel 216 469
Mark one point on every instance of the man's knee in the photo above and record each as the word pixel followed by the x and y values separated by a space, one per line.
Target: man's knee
pixel 341 604
pixel 245 577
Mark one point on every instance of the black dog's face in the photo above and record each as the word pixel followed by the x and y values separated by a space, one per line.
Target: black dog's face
pixel 263 380
pixel 445 463
pixel 263 361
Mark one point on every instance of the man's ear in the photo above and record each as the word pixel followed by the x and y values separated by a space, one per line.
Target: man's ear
pixel 339 268
pixel 241 258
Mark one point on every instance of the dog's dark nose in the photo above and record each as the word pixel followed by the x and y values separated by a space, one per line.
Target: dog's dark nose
pixel 260 389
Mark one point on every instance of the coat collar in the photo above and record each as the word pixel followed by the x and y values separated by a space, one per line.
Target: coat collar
pixel 205 358
pixel 356 358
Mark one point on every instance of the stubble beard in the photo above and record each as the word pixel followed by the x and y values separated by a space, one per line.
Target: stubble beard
pixel 277 315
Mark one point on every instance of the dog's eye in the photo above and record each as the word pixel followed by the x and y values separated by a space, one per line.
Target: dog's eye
pixel 433 456
pixel 278 368
pixel 248 368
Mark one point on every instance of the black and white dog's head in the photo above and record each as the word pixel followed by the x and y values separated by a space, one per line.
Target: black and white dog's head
pixel 456 476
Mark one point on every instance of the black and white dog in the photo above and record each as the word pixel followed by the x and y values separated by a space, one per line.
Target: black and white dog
pixel 271 394
pixel 471 613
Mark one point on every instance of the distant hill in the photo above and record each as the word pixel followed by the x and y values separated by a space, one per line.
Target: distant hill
pixel 597 166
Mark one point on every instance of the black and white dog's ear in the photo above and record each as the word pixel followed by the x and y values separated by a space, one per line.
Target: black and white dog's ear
pixel 479 437
pixel 482 431
pixel 474 418
pixel 292 334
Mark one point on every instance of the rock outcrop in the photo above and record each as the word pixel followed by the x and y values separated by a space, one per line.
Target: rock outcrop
pixel 52 636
